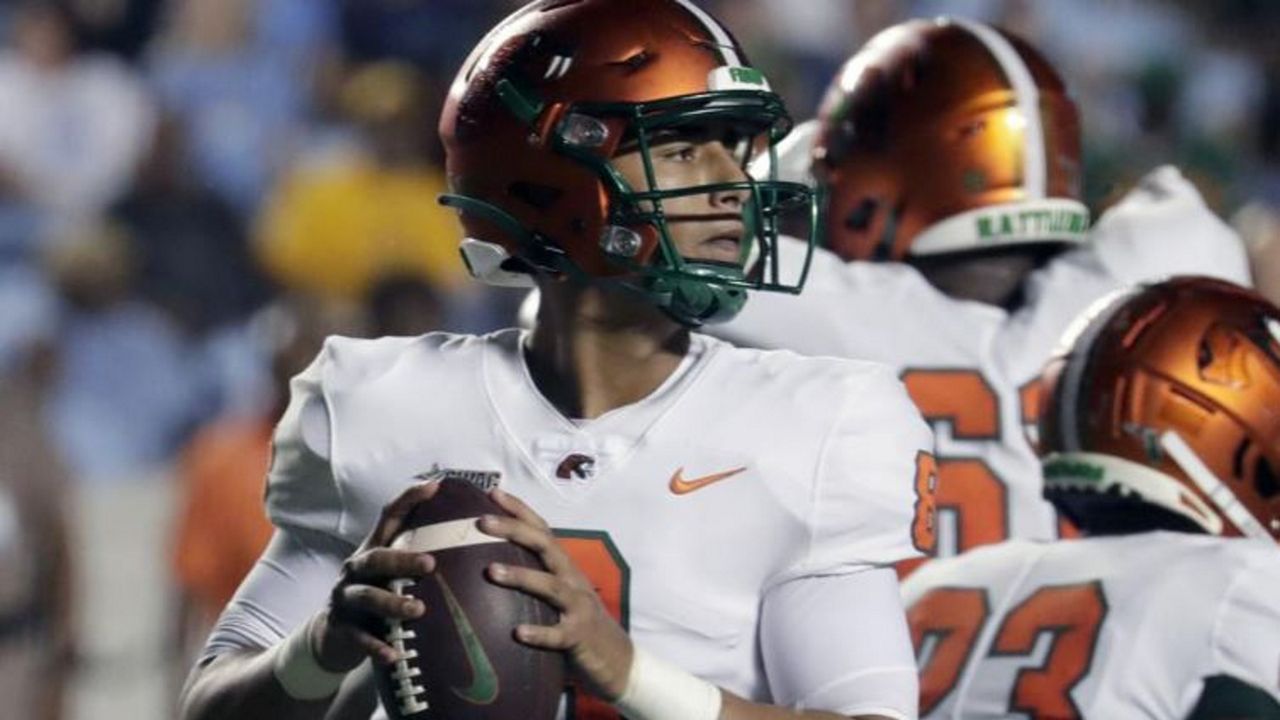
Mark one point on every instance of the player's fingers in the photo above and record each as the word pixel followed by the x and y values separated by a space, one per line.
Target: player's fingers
pixel 516 506
pixel 395 512
pixel 538 539
pixel 368 643
pixel 379 563
pixel 547 637
pixel 540 584
pixel 354 600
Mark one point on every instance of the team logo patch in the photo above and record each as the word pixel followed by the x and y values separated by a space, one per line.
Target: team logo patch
pixel 485 480
pixel 576 466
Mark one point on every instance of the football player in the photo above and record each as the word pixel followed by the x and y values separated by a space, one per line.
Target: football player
pixel 737 510
pixel 1162 443
pixel 960 249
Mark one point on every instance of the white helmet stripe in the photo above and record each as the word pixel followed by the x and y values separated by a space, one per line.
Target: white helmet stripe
pixel 1217 491
pixel 722 37
pixel 1077 344
pixel 1034 168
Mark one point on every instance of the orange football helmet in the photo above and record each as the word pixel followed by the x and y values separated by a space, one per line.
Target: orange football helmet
pixel 947 135
pixel 548 97
pixel 1169 397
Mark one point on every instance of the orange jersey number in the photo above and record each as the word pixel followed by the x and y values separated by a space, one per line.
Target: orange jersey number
pixel 968 487
pixel 1074 614
pixel 946 622
pixel 598 558
pixel 944 625
pixel 924 528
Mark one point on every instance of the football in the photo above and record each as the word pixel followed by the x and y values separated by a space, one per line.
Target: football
pixel 460 659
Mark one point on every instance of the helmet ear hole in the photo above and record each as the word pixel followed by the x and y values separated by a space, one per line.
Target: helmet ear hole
pixel 534 194
pixel 1265 481
pixel 859 219
pixel 1204 354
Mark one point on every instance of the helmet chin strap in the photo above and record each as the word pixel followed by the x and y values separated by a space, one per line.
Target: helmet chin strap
pixel 1213 488
pixel 686 298
pixel 692 303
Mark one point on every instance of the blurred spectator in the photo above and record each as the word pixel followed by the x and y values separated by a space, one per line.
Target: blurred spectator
pixel 119 359
pixel 193 258
pixel 1265 256
pixel 405 306
pixel 37 640
pixel 120 27
pixel 30 313
pixel 1259 225
pixel 222 527
pixel 74 126
pixel 336 228
pixel 431 35
pixel 241 98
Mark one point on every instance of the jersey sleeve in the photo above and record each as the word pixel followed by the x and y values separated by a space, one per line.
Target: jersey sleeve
pixel 289 584
pixel 1246 642
pixel 839 644
pixel 302 491
pixel 873 496
pixel 1162 227
pixel 295 574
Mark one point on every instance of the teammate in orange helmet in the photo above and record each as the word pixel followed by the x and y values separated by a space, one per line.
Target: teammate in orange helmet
pixel 738 510
pixel 1162 443
pixel 960 249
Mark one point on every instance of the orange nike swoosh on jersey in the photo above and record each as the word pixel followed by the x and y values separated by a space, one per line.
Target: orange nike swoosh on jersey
pixel 680 486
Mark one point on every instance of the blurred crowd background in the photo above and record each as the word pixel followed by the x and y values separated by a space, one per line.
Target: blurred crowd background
pixel 193 193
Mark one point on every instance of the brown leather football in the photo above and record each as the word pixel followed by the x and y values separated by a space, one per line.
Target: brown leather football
pixel 460 659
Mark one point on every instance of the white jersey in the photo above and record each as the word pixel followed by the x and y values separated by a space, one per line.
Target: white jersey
pixel 1108 627
pixel 697 511
pixel 971 367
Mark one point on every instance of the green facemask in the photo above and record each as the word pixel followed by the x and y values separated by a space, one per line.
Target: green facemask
pixel 692 292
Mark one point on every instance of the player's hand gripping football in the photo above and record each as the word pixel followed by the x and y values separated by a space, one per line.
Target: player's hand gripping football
pixel 340 634
pixel 596 647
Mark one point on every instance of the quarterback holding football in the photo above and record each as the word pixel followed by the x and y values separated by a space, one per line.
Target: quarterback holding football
pixel 717 526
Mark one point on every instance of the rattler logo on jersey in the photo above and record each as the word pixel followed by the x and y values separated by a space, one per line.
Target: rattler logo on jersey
pixel 1031 223
pixel 485 480
pixel 576 466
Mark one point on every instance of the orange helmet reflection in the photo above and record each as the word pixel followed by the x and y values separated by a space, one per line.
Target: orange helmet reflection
pixel 944 136
pixel 1169 396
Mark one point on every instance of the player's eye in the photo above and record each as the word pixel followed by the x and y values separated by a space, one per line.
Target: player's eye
pixel 679 152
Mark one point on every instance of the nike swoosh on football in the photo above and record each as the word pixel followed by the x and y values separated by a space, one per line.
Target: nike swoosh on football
pixel 484 680
pixel 680 486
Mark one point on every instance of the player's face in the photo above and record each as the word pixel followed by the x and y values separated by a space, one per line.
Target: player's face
pixel 705 226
